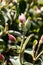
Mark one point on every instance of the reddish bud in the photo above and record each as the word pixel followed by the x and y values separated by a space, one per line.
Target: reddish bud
pixel 1 57
pixel 11 37
pixel 41 40
pixel 22 18
pixel 38 11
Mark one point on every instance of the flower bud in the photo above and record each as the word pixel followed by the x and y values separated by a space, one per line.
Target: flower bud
pixel 41 40
pixel 11 37
pixel 1 57
pixel 38 11
pixel 22 18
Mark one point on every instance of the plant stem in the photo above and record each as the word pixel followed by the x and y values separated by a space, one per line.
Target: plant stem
pixel 35 59
pixel 39 55
pixel 21 53
pixel 33 62
pixel 38 48
pixel 26 42
pixel 34 46
pixel 23 47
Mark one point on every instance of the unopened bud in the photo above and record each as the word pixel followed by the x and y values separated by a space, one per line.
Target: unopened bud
pixel 11 37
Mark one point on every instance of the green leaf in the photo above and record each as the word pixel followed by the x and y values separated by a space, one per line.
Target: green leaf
pixel 15 60
pixel 22 6
pixel 40 2
pixel 26 41
pixel 15 33
pixel 38 62
pixel 1 28
pixel 2 20
pixel 29 51
pixel 27 63
pixel 41 59
pixel 5 16
pixel 2 45
pixel 9 16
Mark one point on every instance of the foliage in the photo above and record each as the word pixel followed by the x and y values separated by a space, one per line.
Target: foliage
pixel 21 32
